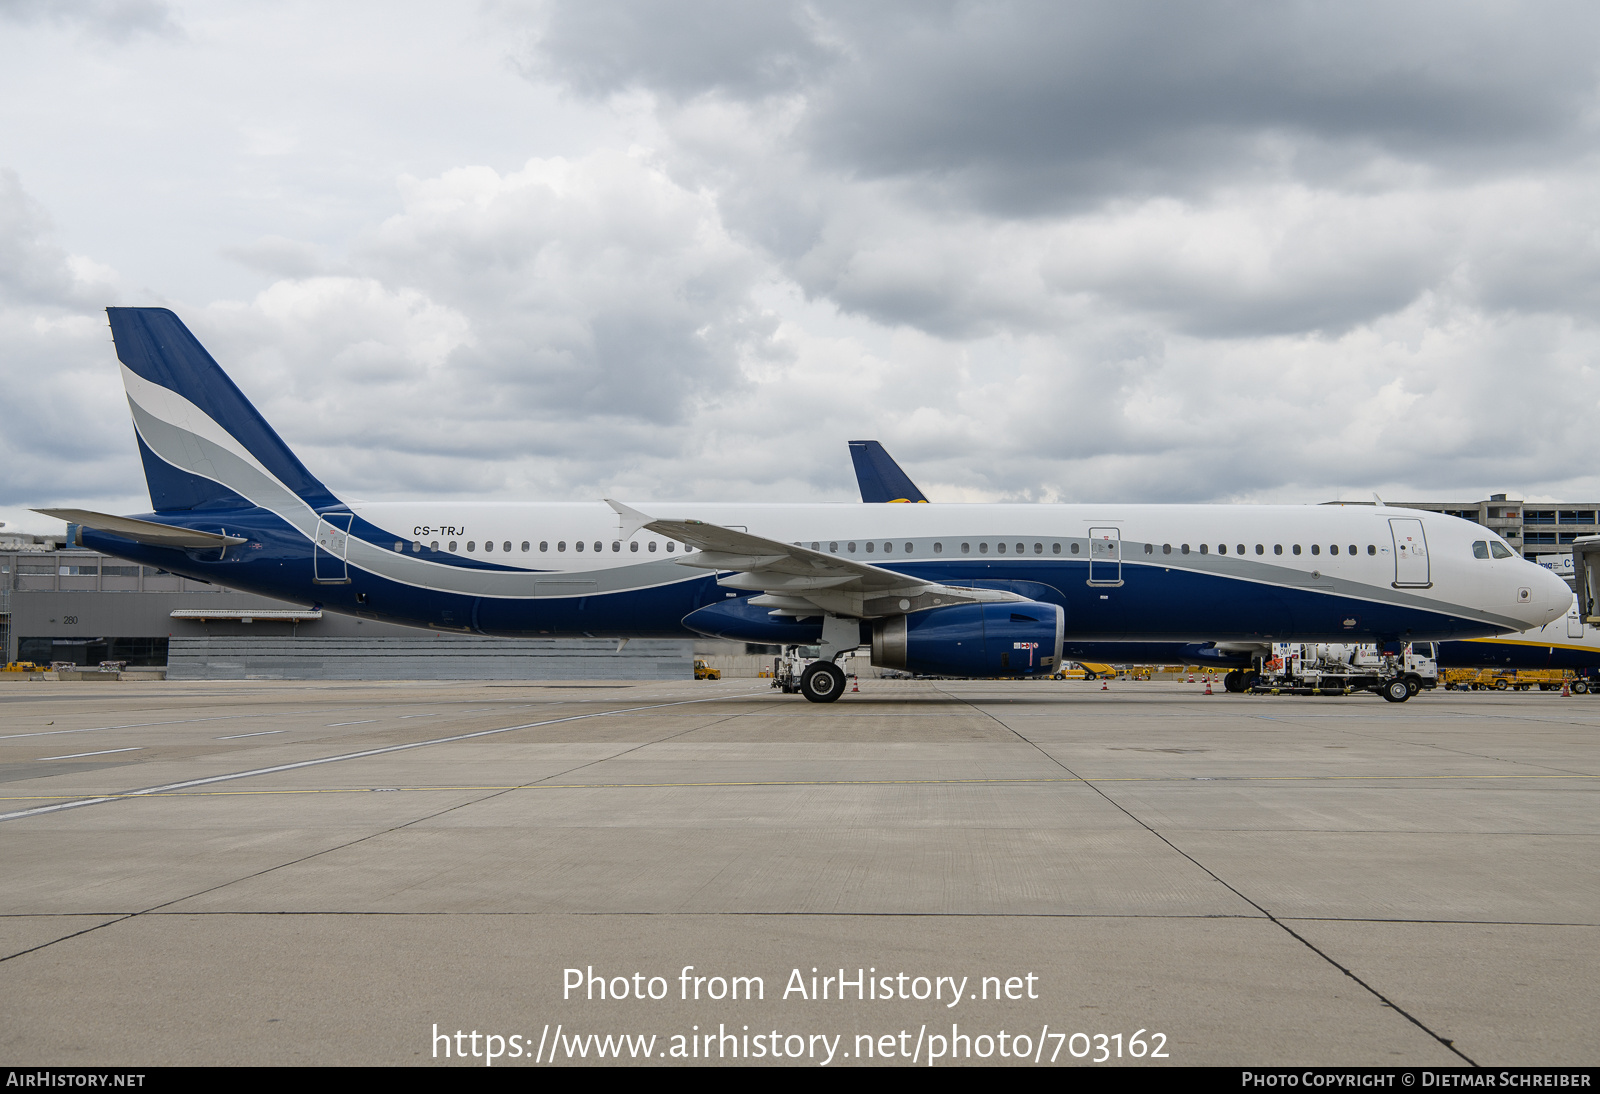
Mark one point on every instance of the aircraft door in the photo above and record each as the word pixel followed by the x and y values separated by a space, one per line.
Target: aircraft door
pixel 1410 553
pixel 1105 556
pixel 1574 623
pixel 1586 568
pixel 333 541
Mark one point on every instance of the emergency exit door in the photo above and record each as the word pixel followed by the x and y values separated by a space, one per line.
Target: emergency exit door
pixel 1105 556
pixel 1410 553
pixel 333 542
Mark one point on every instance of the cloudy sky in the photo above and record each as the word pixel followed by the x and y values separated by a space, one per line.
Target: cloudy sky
pixel 1160 252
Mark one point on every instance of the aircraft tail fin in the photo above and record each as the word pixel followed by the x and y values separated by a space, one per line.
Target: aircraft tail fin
pixel 203 444
pixel 879 477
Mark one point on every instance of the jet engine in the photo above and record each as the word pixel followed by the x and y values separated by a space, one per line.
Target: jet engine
pixel 1008 638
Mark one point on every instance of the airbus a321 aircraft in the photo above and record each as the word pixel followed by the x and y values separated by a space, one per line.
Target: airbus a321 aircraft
pixel 955 590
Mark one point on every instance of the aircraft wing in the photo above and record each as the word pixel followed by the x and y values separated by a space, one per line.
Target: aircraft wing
pixel 798 581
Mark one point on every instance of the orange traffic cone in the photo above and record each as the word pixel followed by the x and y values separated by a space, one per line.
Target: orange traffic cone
pixel 1191 678
pixel 1208 685
pixel 1103 686
pixel 1566 690
pixel 855 683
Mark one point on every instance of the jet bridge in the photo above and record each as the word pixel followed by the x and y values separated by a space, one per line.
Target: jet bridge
pixel 1586 572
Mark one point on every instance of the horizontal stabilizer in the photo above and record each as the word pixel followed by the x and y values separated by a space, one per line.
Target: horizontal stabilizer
pixel 143 531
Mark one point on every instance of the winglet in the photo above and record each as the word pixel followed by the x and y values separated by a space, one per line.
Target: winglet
pixel 629 520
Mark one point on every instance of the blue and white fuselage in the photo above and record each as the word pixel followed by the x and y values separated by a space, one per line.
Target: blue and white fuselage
pixel 1157 573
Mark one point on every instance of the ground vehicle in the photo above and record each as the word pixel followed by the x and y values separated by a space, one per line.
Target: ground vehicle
pixel 1335 669
pixel 1513 680
pixel 1079 670
pixel 23 666
pixel 703 670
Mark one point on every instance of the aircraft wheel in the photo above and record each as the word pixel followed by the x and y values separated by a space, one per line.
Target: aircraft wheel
pixel 1250 680
pixel 1233 682
pixel 1396 691
pixel 822 682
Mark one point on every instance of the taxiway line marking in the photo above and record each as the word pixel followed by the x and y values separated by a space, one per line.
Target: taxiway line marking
pixel 169 789
pixel 103 752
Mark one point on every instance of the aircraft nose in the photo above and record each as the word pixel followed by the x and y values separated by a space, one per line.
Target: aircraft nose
pixel 1549 598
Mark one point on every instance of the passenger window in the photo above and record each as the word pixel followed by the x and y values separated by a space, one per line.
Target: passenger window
pixel 1296 548
pixel 1166 548
pixel 1038 548
pixel 888 548
pixel 1149 548
pixel 1184 549
pixel 908 548
pixel 938 548
pixel 544 546
pixel 488 546
pixel 416 547
pixel 966 548
pixel 870 548
pixel 398 546
pixel 472 543
pixel 633 545
pixel 452 546
pixel 577 545
pixel 1261 549
pixel 814 545
pixel 616 546
pixel 1372 548
pixel 1075 548
pixel 1500 550
pixel 1241 549
pixel 671 546
pixel 1354 550
pixel 851 547
pixel 434 546
pixel 1333 548
pixel 1204 548
pixel 1000 548
pixel 983 548
pixel 652 547
pixel 1316 548
pixel 1480 549
pixel 1222 548
pixel 1277 548
pixel 1055 548
pixel 525 546
pixel 1019 548
pixel 597 545
pixel 833 548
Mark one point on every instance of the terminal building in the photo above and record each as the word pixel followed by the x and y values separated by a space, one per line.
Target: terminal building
pixel 1536 530
pixel 64 604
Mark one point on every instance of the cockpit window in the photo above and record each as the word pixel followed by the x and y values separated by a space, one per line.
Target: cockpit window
pixel 1480 549
pixel 1500 550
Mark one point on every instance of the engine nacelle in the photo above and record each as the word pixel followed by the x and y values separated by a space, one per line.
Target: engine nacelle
pixel 1009 638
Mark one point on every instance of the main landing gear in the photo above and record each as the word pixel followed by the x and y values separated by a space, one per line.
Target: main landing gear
pixel 822 682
